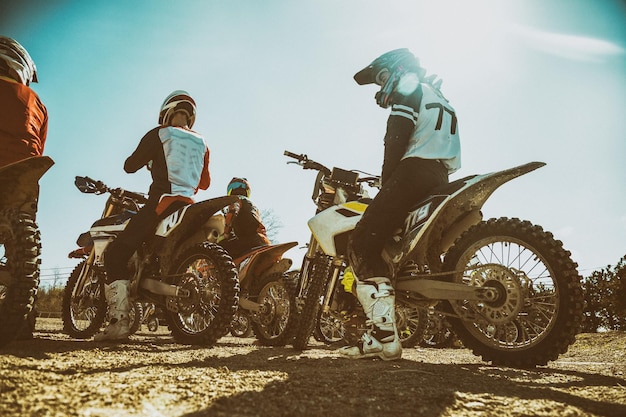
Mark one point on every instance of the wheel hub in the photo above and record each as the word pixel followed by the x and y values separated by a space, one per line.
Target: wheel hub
pixel 510 298
pixel 187 305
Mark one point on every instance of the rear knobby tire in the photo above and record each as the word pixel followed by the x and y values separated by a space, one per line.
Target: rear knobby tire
pixel 20 248
pixel 550 300
pixel 208 272
pixel 271 327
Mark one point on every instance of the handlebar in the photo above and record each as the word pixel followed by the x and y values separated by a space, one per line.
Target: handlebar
pixel 371 181
pixel 91 186
pixel 140 198
pixel 306 163
pixel 338 178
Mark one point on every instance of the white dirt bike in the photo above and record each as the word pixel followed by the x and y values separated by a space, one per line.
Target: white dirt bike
pixel 509 289
pixel 181 269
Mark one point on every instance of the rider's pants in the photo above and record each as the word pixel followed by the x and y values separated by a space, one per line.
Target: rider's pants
pixel 140 228
pixel 411 182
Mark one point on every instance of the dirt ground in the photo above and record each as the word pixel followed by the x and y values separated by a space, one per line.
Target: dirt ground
pixel 151 375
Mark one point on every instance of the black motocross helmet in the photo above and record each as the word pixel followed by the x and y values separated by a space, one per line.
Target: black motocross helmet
pixel 394 63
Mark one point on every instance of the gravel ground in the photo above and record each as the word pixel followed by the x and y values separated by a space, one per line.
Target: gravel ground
pixel 151 375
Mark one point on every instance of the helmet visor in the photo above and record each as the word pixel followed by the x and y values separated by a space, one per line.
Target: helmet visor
pixel 365 76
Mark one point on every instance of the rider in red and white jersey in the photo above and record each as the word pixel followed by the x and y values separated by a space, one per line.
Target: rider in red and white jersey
pixel 178 159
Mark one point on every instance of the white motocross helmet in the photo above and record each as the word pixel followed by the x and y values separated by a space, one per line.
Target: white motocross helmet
pixel 178 100
pixel 16 61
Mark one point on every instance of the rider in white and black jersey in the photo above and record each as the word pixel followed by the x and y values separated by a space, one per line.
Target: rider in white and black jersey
pixel 176 156
pixel 178 159
pixel 421 149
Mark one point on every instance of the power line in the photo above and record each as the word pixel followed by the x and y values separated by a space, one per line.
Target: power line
pixel 57 268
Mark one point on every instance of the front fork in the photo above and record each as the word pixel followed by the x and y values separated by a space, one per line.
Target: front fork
pixel 305 276
pixel 332 284
pixel 303 282
pixel 85 275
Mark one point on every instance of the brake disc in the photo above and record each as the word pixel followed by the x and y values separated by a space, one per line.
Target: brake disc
pixel 510 298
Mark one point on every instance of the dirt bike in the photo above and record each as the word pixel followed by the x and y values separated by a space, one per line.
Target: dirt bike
pixel 180 269
pixel 438 333
pixel 266 298
pixel 20 242
pixel 241 326
pixel 143 313
pixel 509 289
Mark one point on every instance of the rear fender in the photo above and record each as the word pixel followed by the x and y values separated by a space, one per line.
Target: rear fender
pixel 195 223
pixel 195 217
pixel 19 183
pixel 264 260
pixel 457 212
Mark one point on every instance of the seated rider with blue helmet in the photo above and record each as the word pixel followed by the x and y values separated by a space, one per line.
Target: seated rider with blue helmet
pixel 244 229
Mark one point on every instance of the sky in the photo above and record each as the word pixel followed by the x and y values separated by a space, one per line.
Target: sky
pixel 530 80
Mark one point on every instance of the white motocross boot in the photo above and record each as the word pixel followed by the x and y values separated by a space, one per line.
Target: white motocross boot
pixel 116 295
pixel 377 297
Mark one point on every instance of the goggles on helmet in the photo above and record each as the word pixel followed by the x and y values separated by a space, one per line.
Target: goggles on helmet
pixel 238 184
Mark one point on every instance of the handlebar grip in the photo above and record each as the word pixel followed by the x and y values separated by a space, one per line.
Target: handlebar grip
pixel 295 156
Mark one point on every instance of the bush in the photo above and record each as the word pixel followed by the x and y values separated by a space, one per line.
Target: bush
pixel 605 299
pixel 49 299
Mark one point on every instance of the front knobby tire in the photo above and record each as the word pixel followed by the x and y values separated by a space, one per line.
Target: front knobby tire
pixel 208 273
pixel 329 328
pixel 84 306
pixel 540 310
pixel 20 248
pixel 271 327
pixel 317 281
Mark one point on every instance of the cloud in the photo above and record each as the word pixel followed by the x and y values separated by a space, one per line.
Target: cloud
pixel 574 47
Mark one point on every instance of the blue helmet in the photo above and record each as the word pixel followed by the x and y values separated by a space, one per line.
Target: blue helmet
pixel 238 186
